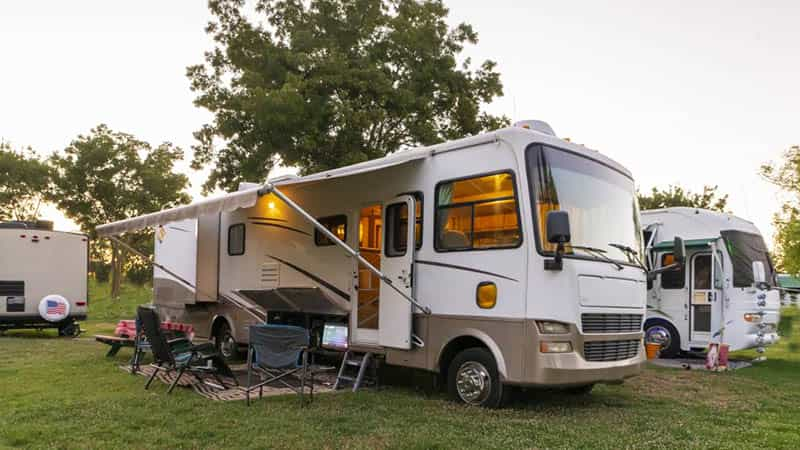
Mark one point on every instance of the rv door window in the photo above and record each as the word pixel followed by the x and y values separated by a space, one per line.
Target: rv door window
pixel 396 229
pixel 236 235
pixel 336 225
pixel 672 279
pixel 477 213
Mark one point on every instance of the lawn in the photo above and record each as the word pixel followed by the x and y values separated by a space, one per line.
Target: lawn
pixel 60 392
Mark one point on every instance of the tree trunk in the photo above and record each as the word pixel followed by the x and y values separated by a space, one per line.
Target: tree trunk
pixel 116 270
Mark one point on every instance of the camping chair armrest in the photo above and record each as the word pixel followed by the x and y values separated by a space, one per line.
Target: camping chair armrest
pixel 180 345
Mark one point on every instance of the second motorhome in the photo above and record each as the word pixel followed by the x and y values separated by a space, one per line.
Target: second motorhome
pixel 724 293
pixel 508 258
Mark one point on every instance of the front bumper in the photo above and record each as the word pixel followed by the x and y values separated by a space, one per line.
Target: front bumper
pixel 575 368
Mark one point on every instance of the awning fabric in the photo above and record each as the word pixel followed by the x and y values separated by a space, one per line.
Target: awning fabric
pixel 228 202
pixel 248 198
pixel 667 245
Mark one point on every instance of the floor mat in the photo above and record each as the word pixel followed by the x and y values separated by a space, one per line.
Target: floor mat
pixel 210 389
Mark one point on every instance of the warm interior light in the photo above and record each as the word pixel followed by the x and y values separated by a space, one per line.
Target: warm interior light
pixel 271 205
pixel 486 296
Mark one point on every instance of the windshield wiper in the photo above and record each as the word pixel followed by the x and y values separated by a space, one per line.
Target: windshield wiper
pixel 632 254
pixel 598 252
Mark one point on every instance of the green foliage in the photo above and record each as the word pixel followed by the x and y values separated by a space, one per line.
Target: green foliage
pixel 677 196
pixel 101 270
pixel 53 384
pixel 24 182
pixel 325 83
pixel 107 176
pixel 786 175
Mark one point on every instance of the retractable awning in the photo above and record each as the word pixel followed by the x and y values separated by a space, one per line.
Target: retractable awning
pixel 248 198
pixel 667 245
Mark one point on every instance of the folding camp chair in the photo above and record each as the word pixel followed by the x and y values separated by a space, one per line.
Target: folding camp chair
pixel 276 352
pixel 179 354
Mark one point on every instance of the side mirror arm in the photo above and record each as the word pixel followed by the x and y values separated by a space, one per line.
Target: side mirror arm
pixel 557 263
pixel 651 275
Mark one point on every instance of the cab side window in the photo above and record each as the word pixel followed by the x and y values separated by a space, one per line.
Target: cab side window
pixel 672 279
pixel 477 213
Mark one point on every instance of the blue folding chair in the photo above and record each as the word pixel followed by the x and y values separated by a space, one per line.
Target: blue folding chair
pixel 276 352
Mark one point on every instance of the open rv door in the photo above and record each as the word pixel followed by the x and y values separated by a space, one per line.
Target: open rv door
pixel 397 263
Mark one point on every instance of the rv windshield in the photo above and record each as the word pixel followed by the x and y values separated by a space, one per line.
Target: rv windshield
pixel 601 202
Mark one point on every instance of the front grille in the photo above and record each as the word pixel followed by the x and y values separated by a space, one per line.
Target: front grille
pixel 611 323
pixel 12 288
pixel 610 350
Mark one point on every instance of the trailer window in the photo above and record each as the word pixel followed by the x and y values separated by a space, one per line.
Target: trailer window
pixel 672 279
pixel 336 225
pixel 236 234
pixel 477 213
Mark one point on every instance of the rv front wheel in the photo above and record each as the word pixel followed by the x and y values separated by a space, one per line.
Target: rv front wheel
pixel 473 378
pixel 662 332
pixel 226 343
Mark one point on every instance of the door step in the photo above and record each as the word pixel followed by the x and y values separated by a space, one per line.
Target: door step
pixel 364 361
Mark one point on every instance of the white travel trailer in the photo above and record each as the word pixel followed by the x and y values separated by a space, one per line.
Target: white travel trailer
pixel 486 260
pixel 724 293
pixel 43 277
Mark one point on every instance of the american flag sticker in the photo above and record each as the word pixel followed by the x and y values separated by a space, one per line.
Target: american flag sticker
pixel 56 308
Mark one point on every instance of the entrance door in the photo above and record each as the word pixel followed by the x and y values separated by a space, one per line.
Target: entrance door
pixel 397 260
pixel 365 321
pixel 702 297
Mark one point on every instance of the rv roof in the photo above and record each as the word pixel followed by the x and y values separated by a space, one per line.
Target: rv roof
pixel 693 223
pixel 247 195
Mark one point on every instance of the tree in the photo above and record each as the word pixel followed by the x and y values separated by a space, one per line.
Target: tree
pixel 786 175
pixel 677 196
pixel 24 182
pixel 107 176
pixel 324 83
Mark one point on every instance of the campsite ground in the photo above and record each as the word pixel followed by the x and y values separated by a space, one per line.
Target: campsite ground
pixel 58 392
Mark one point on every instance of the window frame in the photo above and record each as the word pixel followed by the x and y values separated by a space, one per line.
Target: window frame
pixel 244 238
pixel 532 191
pixel 419 197
pixel 661 257
pixel 515 188
pixel 318 234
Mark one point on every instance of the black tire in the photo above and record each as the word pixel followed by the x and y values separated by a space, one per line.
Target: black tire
pixel 225 343
pixel 671 347
pixel 586 389
pixel 70 329
pixel 479 365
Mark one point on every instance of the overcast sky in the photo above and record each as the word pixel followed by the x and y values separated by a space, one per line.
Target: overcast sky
pixel 677 92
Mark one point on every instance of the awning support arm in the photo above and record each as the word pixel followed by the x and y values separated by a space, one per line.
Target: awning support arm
pixel 271 189
pixel 150 260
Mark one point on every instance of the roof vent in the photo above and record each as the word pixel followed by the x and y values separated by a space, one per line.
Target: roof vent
pixel 536 125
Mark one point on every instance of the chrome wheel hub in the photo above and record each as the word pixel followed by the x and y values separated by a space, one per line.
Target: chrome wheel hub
pixel 658 335
pixel 227 346
pixel 473 383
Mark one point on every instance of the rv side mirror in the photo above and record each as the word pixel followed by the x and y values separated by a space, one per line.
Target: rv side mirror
pixel 759 274
pixel 680 251
pixel 558 227
pixel 557 233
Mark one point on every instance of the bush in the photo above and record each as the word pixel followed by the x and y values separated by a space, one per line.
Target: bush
pixel 101 270
pixel 139 274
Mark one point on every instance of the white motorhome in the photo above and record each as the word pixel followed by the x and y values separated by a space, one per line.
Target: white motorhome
pixel 43 277
pixel 724 293
pixel 486 260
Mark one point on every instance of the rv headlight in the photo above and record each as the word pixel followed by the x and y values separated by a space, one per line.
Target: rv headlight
pixel 555 347
pixel 546 327
pixel 753 317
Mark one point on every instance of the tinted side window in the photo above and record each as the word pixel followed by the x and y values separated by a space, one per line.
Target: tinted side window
pixel 336 225
pixel 236 235
pixel 672 279
pixel 396 229
pixel 477 213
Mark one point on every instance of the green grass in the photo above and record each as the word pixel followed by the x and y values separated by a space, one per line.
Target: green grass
pixel 57 392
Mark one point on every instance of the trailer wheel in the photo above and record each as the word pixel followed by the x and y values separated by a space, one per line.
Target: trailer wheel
pixel 69 329
pixel 226 343
pixel 473 378
pixel 664 333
